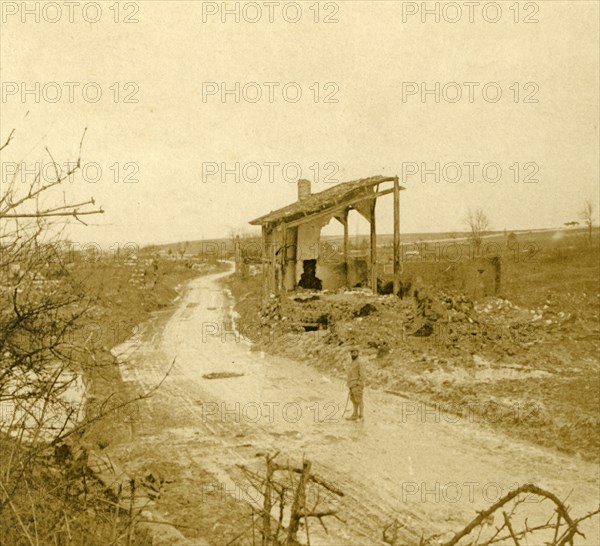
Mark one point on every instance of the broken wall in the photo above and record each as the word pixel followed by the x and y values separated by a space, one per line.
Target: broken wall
pixel 334 275
pixel 307 247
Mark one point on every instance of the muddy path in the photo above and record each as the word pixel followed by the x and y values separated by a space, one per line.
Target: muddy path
pixel 431 470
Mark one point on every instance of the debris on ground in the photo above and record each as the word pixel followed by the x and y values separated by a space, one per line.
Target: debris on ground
pixel 221 375
pixel 443 346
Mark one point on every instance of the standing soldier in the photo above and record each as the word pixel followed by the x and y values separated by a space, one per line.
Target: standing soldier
pixel 356 384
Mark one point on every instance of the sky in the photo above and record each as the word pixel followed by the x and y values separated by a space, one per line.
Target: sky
pixel 328 91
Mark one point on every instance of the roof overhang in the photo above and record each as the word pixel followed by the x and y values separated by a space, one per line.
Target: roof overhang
pixel 335 200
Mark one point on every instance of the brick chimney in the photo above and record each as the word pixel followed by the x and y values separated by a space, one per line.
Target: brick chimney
pixel 303 189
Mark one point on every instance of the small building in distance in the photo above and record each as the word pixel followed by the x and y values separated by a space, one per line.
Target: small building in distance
pixel 291 250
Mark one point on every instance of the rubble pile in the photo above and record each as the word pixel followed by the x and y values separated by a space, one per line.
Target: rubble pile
pixel 450 323
pixel 501 311
pixel 271 310
pixel 551 317
pixel 457 308
pixel 445 347
pixel 328 308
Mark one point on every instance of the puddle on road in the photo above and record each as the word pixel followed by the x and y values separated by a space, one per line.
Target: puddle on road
pixel 287 434
pixel 222 375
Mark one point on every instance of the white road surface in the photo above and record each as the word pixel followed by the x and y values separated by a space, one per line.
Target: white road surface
pixel 422 467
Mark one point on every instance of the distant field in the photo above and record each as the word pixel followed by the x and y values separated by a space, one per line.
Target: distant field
pixel 543 237
pixel 560 260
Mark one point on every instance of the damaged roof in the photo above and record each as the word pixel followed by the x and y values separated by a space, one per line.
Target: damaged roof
pixel 336 197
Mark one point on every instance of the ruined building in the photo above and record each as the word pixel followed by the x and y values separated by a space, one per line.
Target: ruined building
pixel 291 237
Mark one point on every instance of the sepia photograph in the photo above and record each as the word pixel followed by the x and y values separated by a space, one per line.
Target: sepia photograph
pixel 300 273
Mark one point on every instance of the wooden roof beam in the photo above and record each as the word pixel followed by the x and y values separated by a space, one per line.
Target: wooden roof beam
pixel 334 210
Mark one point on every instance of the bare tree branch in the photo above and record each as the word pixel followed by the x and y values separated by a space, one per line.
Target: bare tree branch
pixel 7 142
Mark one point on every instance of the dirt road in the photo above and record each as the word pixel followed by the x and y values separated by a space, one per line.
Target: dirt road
pixel 425 467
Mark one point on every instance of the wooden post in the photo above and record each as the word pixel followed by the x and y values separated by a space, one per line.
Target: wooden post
pixel 373 248
pixel 265 264
pixel 346 245
pixel 293 248
pixel 267 504
pixel 239 261
pixel 396 236
pixel 269 259
pixel 299 505
pixel 283 253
